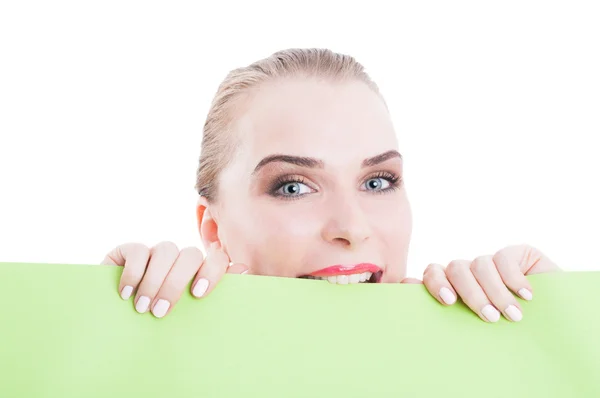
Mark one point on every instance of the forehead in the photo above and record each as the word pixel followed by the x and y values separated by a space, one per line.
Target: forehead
pixel 334 121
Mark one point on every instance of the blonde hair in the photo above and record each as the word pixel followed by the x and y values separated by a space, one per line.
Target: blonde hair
pixel 217 143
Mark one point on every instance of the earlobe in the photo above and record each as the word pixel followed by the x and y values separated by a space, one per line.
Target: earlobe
pixel 207 225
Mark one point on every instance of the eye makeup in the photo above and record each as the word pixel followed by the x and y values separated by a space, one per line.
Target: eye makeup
pixel 287 179
pixel 281 181
pixel 393 179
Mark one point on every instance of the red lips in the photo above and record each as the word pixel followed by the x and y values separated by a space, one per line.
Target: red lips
pixel 346 270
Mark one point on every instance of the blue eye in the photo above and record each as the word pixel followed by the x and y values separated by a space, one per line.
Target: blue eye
pixel 382 182
pixel 296 187
pixel 377 184
pixel 293 188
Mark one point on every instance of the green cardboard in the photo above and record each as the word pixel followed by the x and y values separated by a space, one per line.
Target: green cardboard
pixel 65 332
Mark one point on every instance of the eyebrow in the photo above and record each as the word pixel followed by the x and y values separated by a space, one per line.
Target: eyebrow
pixel 313 163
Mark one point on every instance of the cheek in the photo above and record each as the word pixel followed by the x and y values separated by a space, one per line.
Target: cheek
pixel 392 228
pixel 271 239
pixel 285 223
pixel 280 239
pixel 397 226
pixel 391 220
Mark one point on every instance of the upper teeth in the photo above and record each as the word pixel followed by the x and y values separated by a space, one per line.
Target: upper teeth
pixel 346 279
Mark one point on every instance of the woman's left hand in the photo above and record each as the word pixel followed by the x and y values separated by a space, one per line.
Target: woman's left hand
pixel 485 284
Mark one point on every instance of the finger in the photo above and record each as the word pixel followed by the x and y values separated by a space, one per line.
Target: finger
pixel 211 271
pixel 459 274
pixel 134 258
pixel 162 257
pixel 537 262
pixel 181 273
pixel 512 276
pixel 113 258
pixel 411 281
pixel 437 283
pixel 484 270
pixel 237 268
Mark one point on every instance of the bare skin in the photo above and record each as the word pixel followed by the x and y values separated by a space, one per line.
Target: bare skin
pixel 317 181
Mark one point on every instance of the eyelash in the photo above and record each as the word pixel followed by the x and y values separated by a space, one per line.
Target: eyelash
pixel 283 180
pixel 394 180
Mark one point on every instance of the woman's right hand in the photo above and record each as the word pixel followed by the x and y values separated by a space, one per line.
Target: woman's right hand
pixel 160 274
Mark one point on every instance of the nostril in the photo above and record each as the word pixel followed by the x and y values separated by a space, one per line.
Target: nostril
pixel 342 241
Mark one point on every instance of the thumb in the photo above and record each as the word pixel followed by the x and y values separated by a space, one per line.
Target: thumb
pixel 529 259
pixel 237 268
pixel 537 262
pixel 411 281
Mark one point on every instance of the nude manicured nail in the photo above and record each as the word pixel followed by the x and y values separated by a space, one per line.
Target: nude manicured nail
pixel 200 288
pixel 513 313
pixel 526 294
pixel 142 304
pixel 160 308
pixel 490 313
pixel 447 296
pixel 126 292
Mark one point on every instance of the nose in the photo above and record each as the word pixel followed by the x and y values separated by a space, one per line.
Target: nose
pixel 346 224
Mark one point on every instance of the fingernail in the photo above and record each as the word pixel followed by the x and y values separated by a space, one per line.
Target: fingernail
pixel 142 304
pixel 245 272
pixel 447 296
pixel 526 294
pixel 513 313
pixel 490 313
pixel 160 308
pixel 200 288
pixel 126 292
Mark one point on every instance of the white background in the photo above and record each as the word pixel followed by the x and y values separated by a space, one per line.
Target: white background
pixel 496 105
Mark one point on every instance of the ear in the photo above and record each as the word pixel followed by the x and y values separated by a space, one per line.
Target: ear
pixel 207 225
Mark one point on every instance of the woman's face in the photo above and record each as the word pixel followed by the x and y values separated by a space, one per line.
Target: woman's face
pixel 316 183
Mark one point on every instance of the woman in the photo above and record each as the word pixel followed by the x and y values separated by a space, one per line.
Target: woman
pixel 300 176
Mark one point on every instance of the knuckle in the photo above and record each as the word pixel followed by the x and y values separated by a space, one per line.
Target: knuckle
pixel 526 246
pixel 500 256
pixel 455 268
pixel 133 248
pixel 428 269
pixel 480 264
pixel 532 252
pixel 193 252
pixel 165 246
pixel 136 246
pixel 516 249
pixel 141 249
pixel 110 259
